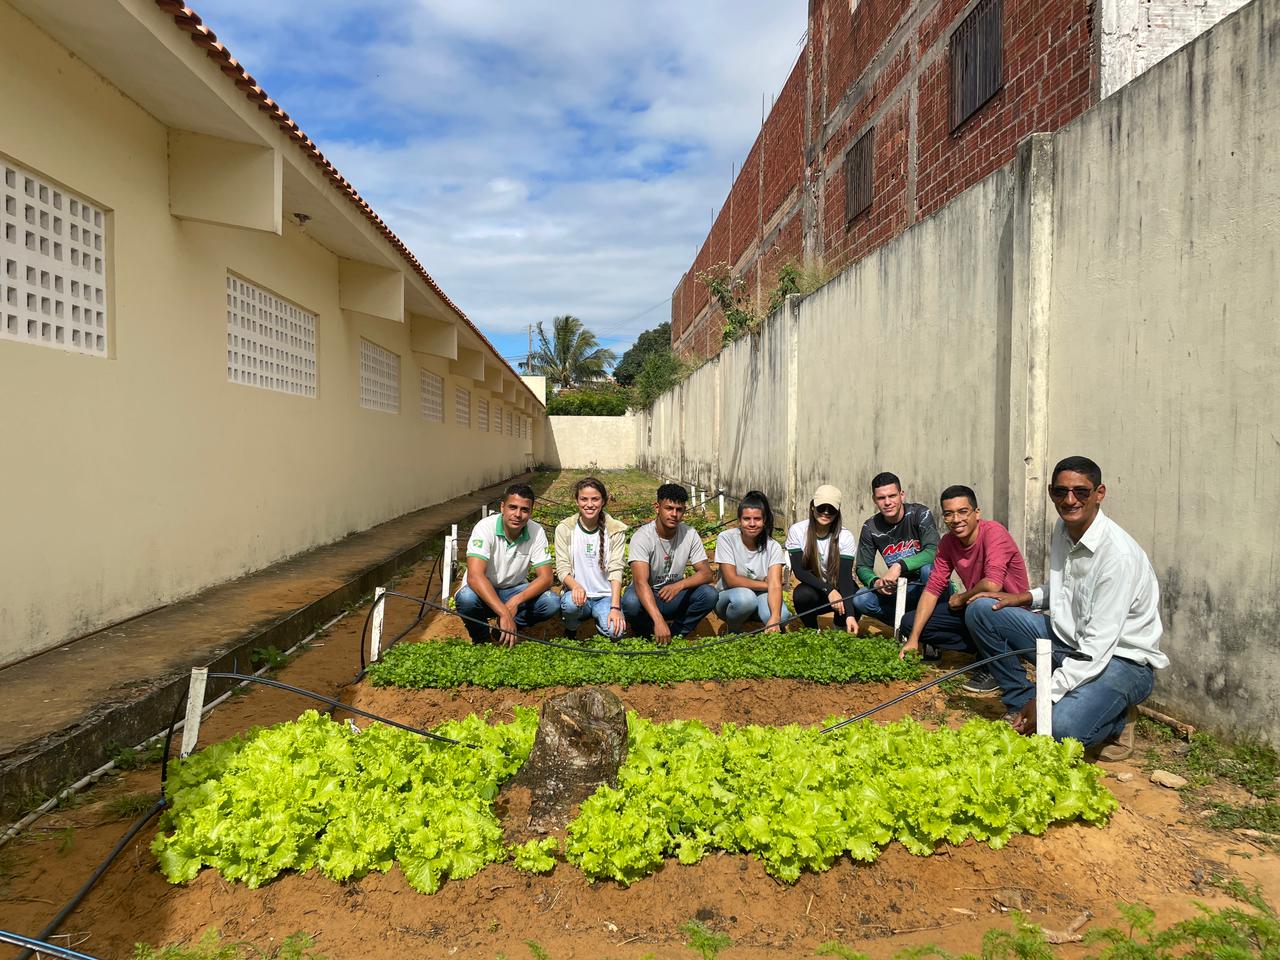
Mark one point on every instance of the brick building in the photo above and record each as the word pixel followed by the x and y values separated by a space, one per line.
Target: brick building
pixel 896 106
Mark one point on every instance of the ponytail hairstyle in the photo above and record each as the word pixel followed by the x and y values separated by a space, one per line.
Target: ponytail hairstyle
pixel 594 484
pixel 755 500
pixel 810 557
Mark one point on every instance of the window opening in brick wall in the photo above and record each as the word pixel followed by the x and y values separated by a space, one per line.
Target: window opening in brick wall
pixel 482 414
pixel 379 378
pixel 976 60
pixel 431 393
pixel 53 281
pixel 271 343
pixel 859 165
pixel 462 406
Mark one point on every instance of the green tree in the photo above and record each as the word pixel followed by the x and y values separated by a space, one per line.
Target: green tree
pixel 572 355
pixel 632 362
pixel 662 371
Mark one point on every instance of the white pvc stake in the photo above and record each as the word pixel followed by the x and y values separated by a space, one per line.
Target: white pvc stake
pixel 453 533
pixel 722 506
pixel 695 494
pixel 484 510
pixel 899 606
pixel 1044 677
pixel 375 628
pixel 447 564
pixel 195 704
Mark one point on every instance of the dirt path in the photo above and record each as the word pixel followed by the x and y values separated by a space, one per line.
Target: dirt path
pixel 1152 852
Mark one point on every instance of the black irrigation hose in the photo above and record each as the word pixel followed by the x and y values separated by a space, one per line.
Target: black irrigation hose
pixel 80 894
pixel 920 689
pixel 338 704
pixel 661 652
pixel 41 947
pixel 364 666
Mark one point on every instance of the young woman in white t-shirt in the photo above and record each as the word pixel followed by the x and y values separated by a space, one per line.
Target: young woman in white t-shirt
pixel 752 566
pixel 589 561
pixel 822 556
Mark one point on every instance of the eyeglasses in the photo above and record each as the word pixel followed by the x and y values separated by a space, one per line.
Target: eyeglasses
pixel 826 510
pixel 1080 493
pixel 961 514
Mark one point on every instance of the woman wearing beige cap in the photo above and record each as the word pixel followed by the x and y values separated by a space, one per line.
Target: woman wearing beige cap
pixel 822 554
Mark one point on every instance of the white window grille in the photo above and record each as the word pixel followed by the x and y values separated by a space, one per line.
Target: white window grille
pixel 53 281
pixel 379 378
pixel 462 406
pixel 496 421
pixel 482 414
pixel 432 392
pixel 271 343
pixel 511 424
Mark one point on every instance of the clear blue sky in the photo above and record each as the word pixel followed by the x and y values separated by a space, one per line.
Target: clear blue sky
pixel 539 158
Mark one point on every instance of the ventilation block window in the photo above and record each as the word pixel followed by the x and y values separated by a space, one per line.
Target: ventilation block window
pixel 431 391
pixel 53 284
pixel 482 414
pixel 379 378
pixel 859 165
pixel 976 61
pixel 462 406
pixel 271 343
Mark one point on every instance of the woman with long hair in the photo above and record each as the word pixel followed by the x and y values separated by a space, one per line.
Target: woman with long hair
pixel 751 566
pixel 589 560
pixel 822 556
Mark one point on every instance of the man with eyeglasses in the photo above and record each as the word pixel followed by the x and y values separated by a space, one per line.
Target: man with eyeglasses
pixel 986 559
pixel 1103 606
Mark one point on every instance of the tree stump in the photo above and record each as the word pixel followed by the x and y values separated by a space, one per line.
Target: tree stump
pixel 581 742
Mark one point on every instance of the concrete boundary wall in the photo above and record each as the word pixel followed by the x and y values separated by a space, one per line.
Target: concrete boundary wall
pixel 1112 292
pixel 603 443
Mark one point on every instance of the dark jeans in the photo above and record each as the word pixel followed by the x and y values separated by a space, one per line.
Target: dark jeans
pixel 1092 712
pixel 945 630
pixel 810 604
pixel 868 603
pixel 683 614
pixel 468 603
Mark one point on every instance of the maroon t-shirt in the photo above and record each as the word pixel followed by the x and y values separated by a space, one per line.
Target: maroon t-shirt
pixel 992 556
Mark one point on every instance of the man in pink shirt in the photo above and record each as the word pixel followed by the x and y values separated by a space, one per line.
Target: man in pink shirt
pixel 985 558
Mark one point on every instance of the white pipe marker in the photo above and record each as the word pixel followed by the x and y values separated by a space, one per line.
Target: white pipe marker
pixel 453 532
pixel 195 705
pixel 375 628
pixel 722 506
pixel 1044 676
pixel 899 606
pixel 447 570
pixel 694 495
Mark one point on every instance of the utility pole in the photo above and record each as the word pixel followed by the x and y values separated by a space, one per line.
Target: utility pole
pixel 528 363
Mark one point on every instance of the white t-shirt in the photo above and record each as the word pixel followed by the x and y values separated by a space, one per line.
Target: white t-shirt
pixel 752 564
pixel 667 559
pixel 508 561
pixel 586 562
pixel 799 532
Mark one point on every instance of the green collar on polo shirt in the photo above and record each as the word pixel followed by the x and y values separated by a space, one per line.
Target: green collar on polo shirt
pixel 524 534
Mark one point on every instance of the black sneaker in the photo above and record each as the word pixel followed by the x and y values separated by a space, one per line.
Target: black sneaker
pixel 980 681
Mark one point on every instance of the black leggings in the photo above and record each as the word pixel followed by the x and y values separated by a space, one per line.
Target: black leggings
pixel 811 603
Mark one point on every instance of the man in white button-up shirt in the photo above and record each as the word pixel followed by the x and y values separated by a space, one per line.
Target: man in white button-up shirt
pixel 1103 615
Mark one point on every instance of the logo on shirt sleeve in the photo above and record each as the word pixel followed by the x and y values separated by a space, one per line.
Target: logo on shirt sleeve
pixel 478 542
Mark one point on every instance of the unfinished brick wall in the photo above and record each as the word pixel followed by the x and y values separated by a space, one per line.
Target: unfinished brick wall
pixel 885 65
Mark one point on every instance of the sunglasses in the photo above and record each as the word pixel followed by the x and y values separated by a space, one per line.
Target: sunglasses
pixel 1080 493
pixel 825 509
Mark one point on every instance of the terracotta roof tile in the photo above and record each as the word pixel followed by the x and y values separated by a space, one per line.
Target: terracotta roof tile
pixel 189 21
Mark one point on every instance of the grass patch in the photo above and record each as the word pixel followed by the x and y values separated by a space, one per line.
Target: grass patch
pixel 211 946
pixel 131 758
pixel 130 805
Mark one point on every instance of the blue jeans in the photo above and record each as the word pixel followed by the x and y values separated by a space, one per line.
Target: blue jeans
pixel 868 603
pixel 683 614
pixel 945 629
pixel 736 605
pixel 1091 713
pixel 597 607
pixel 468 603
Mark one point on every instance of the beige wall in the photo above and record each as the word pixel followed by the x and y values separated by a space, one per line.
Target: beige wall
pixel 604 443
pixel 1111 293
pixel 134 480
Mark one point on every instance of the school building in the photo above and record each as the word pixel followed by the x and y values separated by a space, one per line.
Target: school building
pixel 896 107
pixel 213 353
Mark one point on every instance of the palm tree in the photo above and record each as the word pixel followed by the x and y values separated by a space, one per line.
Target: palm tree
pixel 572 356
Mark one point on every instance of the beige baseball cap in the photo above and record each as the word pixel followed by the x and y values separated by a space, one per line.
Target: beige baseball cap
pixel 826 494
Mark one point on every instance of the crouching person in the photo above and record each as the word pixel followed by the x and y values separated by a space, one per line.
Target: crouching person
pixel 751 567
pixel 661 600
pixel 1101 609
pixel 501 551
pixel 589 556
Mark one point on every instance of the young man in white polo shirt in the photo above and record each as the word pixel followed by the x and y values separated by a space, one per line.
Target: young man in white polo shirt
pixel 1103 616
pixel 501 551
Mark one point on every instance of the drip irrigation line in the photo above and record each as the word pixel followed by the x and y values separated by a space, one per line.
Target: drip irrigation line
pixel 661 652
pixel 346 707
pixel 42 947
pixel 920 689
pixel 80 894
pixel 368 618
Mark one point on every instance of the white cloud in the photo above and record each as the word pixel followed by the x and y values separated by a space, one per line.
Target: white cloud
pixel 540 158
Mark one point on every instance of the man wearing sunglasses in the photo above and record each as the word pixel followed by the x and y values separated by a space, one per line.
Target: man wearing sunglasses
pixel 1103 616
